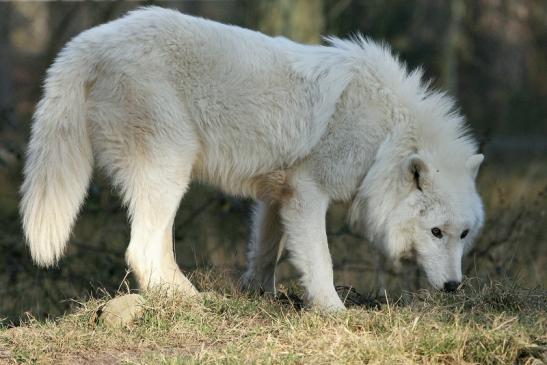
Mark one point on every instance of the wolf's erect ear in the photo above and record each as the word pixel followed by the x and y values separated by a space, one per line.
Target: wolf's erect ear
pixel 473 163
pixel 415 170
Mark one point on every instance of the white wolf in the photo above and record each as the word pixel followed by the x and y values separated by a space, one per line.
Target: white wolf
pixel 158 98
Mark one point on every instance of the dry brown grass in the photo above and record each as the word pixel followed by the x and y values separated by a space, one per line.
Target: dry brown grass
pixel 485 323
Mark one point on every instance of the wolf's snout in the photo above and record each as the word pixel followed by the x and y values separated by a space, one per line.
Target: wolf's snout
pixel 451 286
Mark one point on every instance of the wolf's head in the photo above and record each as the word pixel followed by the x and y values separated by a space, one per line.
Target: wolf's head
pixel 420 206
pixel 439 218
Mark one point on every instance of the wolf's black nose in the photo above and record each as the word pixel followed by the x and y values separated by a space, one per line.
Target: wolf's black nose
pixel 451 286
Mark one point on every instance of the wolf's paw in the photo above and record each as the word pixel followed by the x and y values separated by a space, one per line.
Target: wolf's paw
pixel 328 303
pixel 173 283
pixel 254 283
pixel 182 286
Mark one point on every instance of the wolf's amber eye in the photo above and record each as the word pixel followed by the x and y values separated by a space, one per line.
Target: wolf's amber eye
pixel 437 232
pixel 464 233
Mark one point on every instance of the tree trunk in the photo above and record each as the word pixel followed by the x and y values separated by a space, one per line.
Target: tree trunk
pixel 7 101
pixel 453 39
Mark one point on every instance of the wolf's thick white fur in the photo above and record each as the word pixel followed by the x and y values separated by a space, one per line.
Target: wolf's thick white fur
pixel 158 98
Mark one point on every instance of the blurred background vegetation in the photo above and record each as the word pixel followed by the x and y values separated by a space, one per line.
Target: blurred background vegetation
pixel 489 54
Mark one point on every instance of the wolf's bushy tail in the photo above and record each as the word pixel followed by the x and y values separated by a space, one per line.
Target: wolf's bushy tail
pixel 59 160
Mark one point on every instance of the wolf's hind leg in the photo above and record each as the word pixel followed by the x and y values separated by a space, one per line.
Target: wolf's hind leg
pixel 144 139
pixel 155 195
pixel 265 248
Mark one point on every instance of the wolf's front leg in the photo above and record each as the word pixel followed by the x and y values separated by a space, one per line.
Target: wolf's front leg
pixel 303 216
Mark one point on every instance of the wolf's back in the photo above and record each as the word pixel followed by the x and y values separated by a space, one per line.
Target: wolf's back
pixel 59 158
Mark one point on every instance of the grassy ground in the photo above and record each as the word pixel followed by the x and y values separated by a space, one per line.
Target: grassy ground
pixel 486 323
